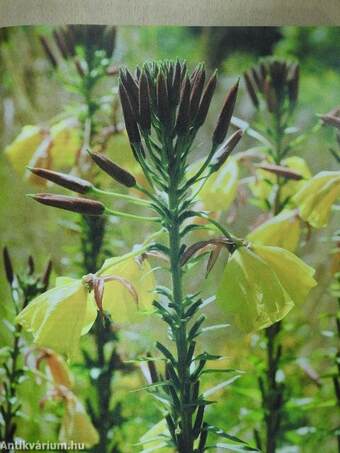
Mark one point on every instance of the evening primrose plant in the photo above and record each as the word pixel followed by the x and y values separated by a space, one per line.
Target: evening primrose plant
pixel 164 107
pixel 283 187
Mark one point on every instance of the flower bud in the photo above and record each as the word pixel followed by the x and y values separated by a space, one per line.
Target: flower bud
pixel 183 115
pixel 293 85
pixel 30 264
pixel 280 170
pixel 58 38
pixel 196 92
pixel 117 173
pixel 226 150
pixel 80 205
pixel 206 101
pixel 251 88
pixel 176 84
pixel 144 103
pixel 131 88
pixel 8 266
pixel 45 279
pixel 48 52
pixel 64 180
pixel 129 117
pixel 163 106
pixel 223 121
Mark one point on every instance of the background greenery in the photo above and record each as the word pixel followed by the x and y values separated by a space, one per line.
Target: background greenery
pixel 29 95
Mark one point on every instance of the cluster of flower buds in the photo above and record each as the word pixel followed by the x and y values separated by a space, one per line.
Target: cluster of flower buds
pixel 30 283
pixel 67 39
pixel 162 102
pixel 276 81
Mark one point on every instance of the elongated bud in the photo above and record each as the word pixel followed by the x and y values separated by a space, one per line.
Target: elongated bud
pixel 30 264
pixel 183 116
pixel 64 180
pixel 144 103
pixel 45 279
pixel 331 120
pixel 129 117
pixel 131 88
pixel 270 96
pixel 293 85
pixel 196 92
pixel 251 88
pixel 74 204
pixel 152 369
pixel 223 121
pixel 280 170
pixel 58 38
pixel 117 173
pixel 68 40
pixel 163 106
pixel 8 266
pixel 226 150
pixel 177 83
pixel 206 101
pixel 48 52
pixel 257 79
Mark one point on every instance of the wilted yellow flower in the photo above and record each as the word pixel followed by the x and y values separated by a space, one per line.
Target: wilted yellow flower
pixel 264 186
pixel 76 425
pixel 261 284
pixel 316 197
pixel 282 230
pixel 58 317
pixel 220 189
pixel 58 368
pixel 22 149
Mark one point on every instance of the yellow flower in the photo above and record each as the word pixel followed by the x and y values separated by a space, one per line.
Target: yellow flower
pixel 316 197
pixel 76 425
pixel 220 189
pixel 282 230
pixel 261 284
pixel 61 315
pixel 155 438
pixel 264 187
pixel 22 149
pixel 66 143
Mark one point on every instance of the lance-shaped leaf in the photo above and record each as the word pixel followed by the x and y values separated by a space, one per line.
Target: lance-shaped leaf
pixel 58 317
pixel 76 425
pixel 260 285
pixel 282 230
pixel 317 196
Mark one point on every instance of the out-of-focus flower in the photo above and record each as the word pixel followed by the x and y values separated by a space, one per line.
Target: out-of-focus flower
pixel 220 189
pixel 156 438
pixel 264 186
pixel 122 287
pixel 282 230
pixel 66 143
pixel 316 197
pixel 261 284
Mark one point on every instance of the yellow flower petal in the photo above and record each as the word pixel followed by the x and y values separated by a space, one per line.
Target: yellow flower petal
pixel 260 286
pixel 22 149
pixel 57 317
pixel 220 189
pixel 282 230
pixel 76 425
pixel 118 300
pixel 317 196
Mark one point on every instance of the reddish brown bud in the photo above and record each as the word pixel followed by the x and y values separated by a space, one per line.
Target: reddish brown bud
pixel 129 117
pixel 196 92
pixel 223 154
pixel 257 79
pixel 30 264
pixel 80 205
pixel 8 266
pixel 163 106
pixel 64 180
pixel 117 173
pixel 59 39
pixel 250 85
pixel 144 103
pixel 131 88
pixel 223 121
pixel 331 120
pixel 206 101
pixel 293 84
pixel 177 83
pixel 183 116
pixel 280 170
pixel 45 279
pixel 48 52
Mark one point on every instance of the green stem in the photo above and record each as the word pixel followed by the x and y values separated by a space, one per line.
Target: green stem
pixel 131 216
pixel 122 196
